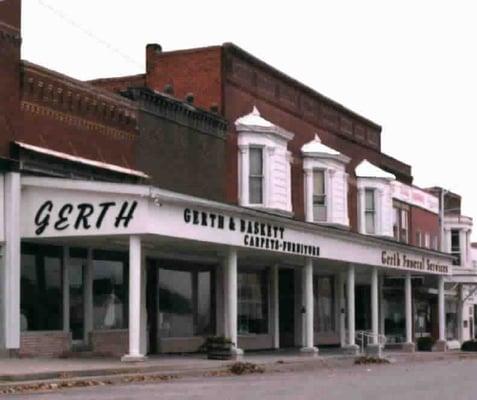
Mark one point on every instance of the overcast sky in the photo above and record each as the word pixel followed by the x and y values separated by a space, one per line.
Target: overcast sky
pixel 410 66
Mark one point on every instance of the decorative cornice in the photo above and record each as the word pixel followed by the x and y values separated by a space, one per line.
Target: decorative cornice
pixel 9 34
pixel 182 113
pixel 75 100
pixel 78 122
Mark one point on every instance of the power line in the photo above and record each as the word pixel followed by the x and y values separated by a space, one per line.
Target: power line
pixel 90 34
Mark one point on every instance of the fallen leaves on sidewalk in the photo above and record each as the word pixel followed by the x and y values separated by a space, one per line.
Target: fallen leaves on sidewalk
pixel 47 386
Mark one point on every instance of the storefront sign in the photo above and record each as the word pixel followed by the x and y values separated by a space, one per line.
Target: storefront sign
pixel 83 215
pixel 415 196
pixel 254 234
pixel 405 261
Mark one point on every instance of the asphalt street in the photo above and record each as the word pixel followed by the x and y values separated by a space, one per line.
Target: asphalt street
pixel 436 380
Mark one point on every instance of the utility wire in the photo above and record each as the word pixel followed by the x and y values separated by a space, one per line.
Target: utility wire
pixel 90 34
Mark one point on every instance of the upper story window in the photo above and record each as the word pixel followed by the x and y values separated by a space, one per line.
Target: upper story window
pixel 319 196
pixel 401 224
pixel 455 246
pixel 255 179
pixel 326 184
pixel 264 173
pixel 370 211
pixel 374 200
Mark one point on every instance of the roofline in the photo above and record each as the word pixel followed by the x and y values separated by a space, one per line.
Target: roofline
pixel 228 46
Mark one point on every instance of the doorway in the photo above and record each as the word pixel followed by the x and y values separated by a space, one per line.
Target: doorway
pixel 286 290
pixel 76 273
pixel 363 307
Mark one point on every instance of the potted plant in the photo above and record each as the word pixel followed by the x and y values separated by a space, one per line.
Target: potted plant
pixel 425 343
pixel 218 348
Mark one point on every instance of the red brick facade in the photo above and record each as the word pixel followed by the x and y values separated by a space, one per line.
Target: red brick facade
pixel 44 344
pixel 110 342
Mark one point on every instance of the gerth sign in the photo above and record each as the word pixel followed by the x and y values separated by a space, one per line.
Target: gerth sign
pixel 401 260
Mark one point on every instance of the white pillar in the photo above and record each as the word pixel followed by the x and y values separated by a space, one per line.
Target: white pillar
pixel 408 307
pixel 135 259
pixel 441 307
pixel 382 331
pixel 361 208
pixel 351 306
pixel 309 345
pixel 309 195
pixel 244 171
pixel 66 289
pixel 342 306
pixel 463 248
pixel 276 308
pixel 231 292
pixel 88 296
pixel 144 342
pixel 10 271
pixel 374 305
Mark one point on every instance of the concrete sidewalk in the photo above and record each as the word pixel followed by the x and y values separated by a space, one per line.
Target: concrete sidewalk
pixel 44 374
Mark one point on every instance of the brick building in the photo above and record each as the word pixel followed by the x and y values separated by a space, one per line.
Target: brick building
pixel 210 195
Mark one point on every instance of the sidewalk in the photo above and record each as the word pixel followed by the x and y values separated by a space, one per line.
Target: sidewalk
pixel 43 374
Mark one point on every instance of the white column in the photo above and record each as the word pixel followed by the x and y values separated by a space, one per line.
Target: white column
pixel 342 307
pixel 231 292
pixel 66 289
pixel 309 194
pixel 463 249
pixel 243 178
pixel 309 345
pixel 408 307
pixel 381 305
pixel 351 306
pixel 10 273
pixel 329 195
pixel 88 296
pixel 374 304
pixel 135 259
pixel 144 345
pixel 361 208
pixel 276 308
pixel 441 308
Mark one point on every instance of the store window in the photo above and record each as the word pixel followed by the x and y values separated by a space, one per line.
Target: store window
pixel 319 196
pixel 256 175
pixel 393 310
pixel 252 302
pixel 451 319
pixel 455 246
pixel 110 290
pixel 323 294
pixel 370 211
pixel 41 302
pixel 185 300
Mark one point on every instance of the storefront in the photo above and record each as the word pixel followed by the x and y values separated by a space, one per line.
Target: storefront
pixel 130 269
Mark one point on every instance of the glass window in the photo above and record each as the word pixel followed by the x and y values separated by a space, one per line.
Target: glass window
pixel 427 240
pixel 185 301
pixel 401 224
pixel 253 302
pixel 369 210
pixel 324 314
pixel 455 246
pixel 41 303
pixel 418 239
pixel 256 175
pixel 319 196
pixel 435 243
pixel 110 290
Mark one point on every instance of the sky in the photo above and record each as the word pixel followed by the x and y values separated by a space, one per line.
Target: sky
pixel 410 66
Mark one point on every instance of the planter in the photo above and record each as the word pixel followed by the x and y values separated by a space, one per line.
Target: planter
pixel 219 348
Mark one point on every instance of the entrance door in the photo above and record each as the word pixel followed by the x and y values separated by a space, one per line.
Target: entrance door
pixel 286 290
pixel 363 307
pixel 76 271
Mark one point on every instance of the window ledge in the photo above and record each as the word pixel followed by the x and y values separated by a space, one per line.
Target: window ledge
pixel 332 224
pixel 260 207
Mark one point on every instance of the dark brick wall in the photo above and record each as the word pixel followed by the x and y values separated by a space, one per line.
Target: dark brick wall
pixel 10 120
pixel 180 158
pixel 44 344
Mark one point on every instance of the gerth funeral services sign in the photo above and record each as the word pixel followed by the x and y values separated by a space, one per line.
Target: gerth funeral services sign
pixel 401 260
